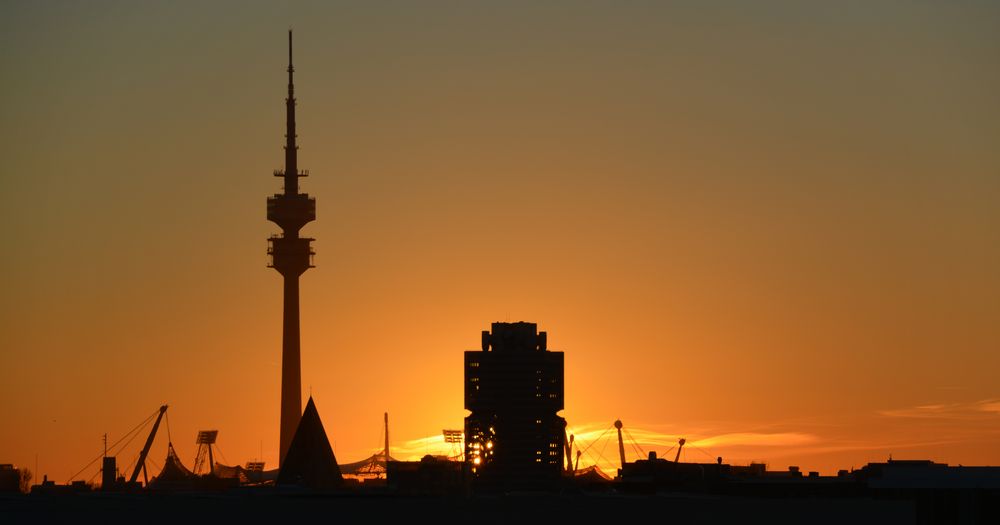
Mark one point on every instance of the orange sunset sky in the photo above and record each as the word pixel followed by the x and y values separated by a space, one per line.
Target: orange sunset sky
pixel 772 227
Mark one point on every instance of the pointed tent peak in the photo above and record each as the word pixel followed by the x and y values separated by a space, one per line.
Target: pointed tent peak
pixel 374 464
pixel 310 461
pixel 310 412
pixel 173 474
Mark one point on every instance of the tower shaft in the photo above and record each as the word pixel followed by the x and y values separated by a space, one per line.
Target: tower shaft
pixel 291 366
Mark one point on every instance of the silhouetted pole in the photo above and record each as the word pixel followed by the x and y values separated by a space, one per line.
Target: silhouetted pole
pixel 621 444
pixel 291 255
pixel 569 452
pixel 387 441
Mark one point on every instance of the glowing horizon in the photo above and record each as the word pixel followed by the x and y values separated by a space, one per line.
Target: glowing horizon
pixel 773 231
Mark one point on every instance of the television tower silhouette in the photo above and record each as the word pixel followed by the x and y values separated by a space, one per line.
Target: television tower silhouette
pixel 291 255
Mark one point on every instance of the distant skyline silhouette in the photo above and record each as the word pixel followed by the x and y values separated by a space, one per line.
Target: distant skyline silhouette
pixel 770 230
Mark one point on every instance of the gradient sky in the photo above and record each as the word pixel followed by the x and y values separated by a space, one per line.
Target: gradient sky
pixel 770 227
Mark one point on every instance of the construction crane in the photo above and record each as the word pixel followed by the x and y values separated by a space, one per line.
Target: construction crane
pixel 141 463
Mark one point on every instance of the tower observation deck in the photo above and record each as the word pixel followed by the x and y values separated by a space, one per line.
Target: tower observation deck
pixel 290 255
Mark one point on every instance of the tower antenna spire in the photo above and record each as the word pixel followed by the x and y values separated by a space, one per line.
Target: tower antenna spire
pixel 291 148
pixel 291 68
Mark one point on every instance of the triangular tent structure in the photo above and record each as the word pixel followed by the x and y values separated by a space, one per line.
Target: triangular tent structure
pixel 372 466
pixel 243 474
pixel 591 474
pixel 176 477
pixel 309 461
pixel 174 473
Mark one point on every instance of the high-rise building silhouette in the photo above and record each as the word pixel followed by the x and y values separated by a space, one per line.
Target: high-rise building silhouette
pixel 514 390
pixel 291 255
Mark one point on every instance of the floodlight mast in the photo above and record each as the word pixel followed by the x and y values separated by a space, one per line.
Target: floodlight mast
pixel 205 440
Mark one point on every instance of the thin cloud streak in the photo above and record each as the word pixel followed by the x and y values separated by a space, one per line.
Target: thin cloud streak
pixel 651 438
pixel 414 449
pixel 983 409
pixel 990 406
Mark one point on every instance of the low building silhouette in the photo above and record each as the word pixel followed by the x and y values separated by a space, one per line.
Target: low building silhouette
pixel 10 478
pixel 430 476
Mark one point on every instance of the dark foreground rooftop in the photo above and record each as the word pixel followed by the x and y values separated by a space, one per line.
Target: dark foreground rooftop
pixel 272 507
